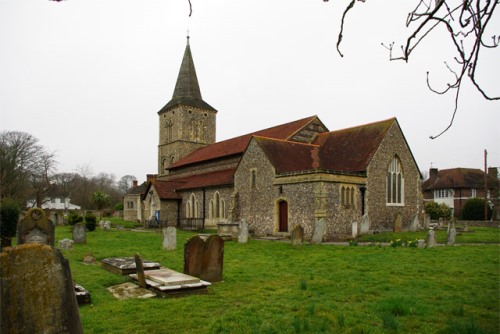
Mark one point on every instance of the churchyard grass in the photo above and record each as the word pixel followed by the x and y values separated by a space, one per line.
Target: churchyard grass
pixel 274 287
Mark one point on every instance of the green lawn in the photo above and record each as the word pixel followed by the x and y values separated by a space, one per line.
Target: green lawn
pixel 274 287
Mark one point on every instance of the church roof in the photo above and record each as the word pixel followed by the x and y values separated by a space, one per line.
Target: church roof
pixel 187 90
pixel 236 146
pixel 217 178
pixel 346 151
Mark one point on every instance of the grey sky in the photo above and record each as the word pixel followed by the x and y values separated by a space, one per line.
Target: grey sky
pixel 87 78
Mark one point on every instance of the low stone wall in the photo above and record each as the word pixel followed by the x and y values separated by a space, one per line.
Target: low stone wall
pixel 477 223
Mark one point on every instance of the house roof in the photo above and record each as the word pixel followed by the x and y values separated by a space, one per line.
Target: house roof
pixel 139 190
pixel 187 90
pixel 458 178
pixel 236 146
pixel 164 189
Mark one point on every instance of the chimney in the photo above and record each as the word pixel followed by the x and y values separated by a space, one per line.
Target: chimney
pixel 433 173
pixel 135 183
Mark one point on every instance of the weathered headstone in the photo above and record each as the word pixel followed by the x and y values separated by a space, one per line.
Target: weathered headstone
pixel 169 238
pixel 243 232
pixel 297 235
pixel 431 238
pixel 140 271
pixel 193 256
pixel 79 233
pixel 35 227
pixel 319 231
pixel 101 224
pixel 213 259
pixel 65 244
pixel 204 259
pixel 414 223
pixel 89 258
pixel 452 234
pixel 37 293
pixel 106 226
pixel 427 221
pixel 354 226
pixel 421 243
pixel 364 228
pixel 398 222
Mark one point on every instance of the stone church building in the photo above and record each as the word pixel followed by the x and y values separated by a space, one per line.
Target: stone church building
pixel 277 178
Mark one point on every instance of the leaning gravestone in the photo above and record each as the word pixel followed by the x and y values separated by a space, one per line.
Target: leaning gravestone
pixel 37 293
pixel 414 223
pixel 79 233
pixel 204 259
pixel 297 235
pixel 431 238
pixel 169 238
pixel 243 232
pixel 319 231
pixel 35 227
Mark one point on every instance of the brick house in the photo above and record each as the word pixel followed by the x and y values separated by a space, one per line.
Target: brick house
pixel 276 178
pixel 457 185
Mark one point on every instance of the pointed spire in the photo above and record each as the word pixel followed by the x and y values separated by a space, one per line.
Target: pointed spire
pixel 187 90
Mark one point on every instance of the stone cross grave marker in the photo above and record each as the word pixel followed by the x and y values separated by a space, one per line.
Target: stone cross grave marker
pixel 243 232
pixel 204 259
pixel 37 293
pixel 35 227
pixel 319 231
pixel 169 238
pixel 79 233
pixel 297 235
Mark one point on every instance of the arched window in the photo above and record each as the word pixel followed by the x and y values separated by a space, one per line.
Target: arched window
pixel 253 178
pixel 342 196
pixel 192 207
pixel 168 130
pixel 395 182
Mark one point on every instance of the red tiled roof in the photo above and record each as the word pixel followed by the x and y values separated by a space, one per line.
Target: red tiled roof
pixel 288 156
pixel 458 178
pixel 166 189
pixel 218 178
pixel 238 145
pixel 351 149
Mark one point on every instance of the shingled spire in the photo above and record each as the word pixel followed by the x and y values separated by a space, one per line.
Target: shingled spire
pixel 187 90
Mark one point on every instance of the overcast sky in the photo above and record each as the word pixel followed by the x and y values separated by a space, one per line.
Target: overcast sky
pixel 87 77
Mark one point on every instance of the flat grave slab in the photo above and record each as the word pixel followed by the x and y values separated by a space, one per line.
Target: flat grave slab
pixel 126 265
pixel 168 282
pixel 130 290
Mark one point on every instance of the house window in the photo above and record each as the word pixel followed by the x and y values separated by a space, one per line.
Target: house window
pixel 473 193
pixel 130 205
pixel 395 183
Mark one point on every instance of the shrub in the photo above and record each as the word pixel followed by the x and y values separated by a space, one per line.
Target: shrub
pixel 118 206
pixel 437 211
pixel 9 215
pixel 474 209
pixel 74 218
pixel 90 221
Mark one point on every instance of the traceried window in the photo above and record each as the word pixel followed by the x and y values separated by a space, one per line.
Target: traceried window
pixel 217 207
pixel 347 195
pixel 192 207
pixel 395 183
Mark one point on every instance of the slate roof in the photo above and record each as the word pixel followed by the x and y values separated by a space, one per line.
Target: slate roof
pixel 238 145
pixel 139 190
pixel 345 151
pixel 458 178
pixel 187 90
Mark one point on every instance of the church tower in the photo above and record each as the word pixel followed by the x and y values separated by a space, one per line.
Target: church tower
pixel 186 121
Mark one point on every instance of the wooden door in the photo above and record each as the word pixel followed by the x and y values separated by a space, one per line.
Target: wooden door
pixel 283 216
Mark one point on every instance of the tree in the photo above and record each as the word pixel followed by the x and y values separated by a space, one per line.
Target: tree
pixel 126 183
pixel 25 166
pixel 9 216
pixel 474 209
pixel 466 23
pixel 100 199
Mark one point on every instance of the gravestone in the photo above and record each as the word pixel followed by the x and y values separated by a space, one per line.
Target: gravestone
pixel 414 223
pixel 120 227
pixel 213 259
pixel 319 231
pixel 364 228
pixel 354 229
pixel 35 227
pixel 101 224
pixel 65 244
pixel 37 293
pixel 204 259
pixel 89 258
pixel 193 256
pixel 398 222
pixel 169 238
pixel 243 232
pixel 427 221
pixel 106 226
pixel 79 233
pixel 297 235
pixel 140 271
pixel 421 243
pixel 452 234
pixel 431 238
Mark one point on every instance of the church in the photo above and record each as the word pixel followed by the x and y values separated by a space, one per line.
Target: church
pixel 276 178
